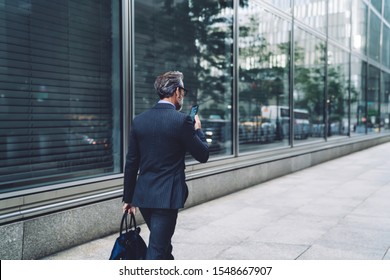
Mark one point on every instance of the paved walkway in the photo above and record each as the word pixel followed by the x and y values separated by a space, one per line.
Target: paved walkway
pixel 337 210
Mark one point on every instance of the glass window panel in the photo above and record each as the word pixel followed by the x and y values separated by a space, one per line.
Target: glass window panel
pixel 195 38
pixel 338 92
pixel 264 49
pixel 377 5
pixel 309 79
pixel 386 10
pixel 339 22
pixel 373 116
pixel 60 83
pixel 284 5
pixel 359 26
pixel 375 36
pixel 312 12
pixel 385 102
pixel 358 96
pixel 386 46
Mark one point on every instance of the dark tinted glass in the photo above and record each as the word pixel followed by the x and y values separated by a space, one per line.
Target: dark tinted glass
pixel 195 38
pixel 59 97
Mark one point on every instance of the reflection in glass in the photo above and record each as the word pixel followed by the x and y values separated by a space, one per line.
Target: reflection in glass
pixel 385 102
pixel 194 37
pixel 386 10
pixel 339 21
pixel 309 85
pixel 338 93
pixel 375 30
pixel 60 92
pixel 264 49
pixel 373 117
pixel 312 12
pixel 284 5
pixel 386 46
pixel 358 99
pixel 377 5
pixel 359 25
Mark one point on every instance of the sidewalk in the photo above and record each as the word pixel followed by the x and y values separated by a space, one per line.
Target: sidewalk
pixel 337 210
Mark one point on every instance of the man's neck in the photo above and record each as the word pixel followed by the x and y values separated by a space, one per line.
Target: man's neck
pixel 166 102
pixel 170 99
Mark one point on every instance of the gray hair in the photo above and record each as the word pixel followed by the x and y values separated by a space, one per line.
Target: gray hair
pixel 166 84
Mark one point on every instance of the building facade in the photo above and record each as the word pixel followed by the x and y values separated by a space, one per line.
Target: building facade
pixel 281 85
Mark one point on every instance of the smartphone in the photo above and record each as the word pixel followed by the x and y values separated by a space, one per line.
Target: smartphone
pixel 193 112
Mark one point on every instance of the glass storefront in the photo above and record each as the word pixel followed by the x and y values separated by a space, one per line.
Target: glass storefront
pixel 313 13
pixel 386 46
pixel 386 10
pixel 373 86
pixel 385 103
pixel 374 36
pixel 309 87
pixel 267 74
pixel 60 95
pixel 263 82
pixel 196 38
pixel 358 96
pixel 283 5
pixel 337 96
pixel 359 26
pixel 339 21
pixel 377 5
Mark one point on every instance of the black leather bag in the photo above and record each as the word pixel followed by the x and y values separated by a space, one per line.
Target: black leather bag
pixel 129 245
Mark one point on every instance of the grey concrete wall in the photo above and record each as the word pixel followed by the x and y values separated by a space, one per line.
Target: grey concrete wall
pixel 44 235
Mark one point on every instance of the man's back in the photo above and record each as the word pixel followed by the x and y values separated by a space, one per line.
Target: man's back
pixel 159 141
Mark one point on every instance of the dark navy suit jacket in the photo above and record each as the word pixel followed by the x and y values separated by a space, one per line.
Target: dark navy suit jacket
pixel 159 140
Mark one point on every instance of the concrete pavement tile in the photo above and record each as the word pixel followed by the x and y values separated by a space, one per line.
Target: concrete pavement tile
pixel 376 175
pixel 366 222
pixel 387 255
pixel 314 187
pixel 355 238
pixel 251 250
pixel 384 191
pixel 288 233
pixel 278 208
pixel 263 192
pixel 332 252
pixel 308 221
pixel 375 205
pixel 285 182
pixel 356 189
pixel 287 202
pixel 195 220
pixel 251 219
pixel 329 207
pixel 215 235
pixel 343 172
pixel 196 251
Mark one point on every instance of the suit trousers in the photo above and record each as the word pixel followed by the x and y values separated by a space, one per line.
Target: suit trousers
pixel 161 224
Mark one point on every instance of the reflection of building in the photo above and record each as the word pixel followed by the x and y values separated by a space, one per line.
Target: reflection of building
pixel 72 76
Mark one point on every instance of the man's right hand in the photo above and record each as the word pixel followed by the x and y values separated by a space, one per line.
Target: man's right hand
pixel 198 124
pixel 129 208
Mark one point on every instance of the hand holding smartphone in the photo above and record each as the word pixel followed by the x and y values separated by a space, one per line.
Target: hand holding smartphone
pixel 193 112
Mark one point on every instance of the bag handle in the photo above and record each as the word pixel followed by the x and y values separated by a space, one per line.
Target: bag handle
pixel 125 222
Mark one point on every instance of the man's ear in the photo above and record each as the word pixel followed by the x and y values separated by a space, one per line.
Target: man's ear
pixel 177 92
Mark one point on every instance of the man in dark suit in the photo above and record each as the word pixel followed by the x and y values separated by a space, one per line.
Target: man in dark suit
pixel 159 140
